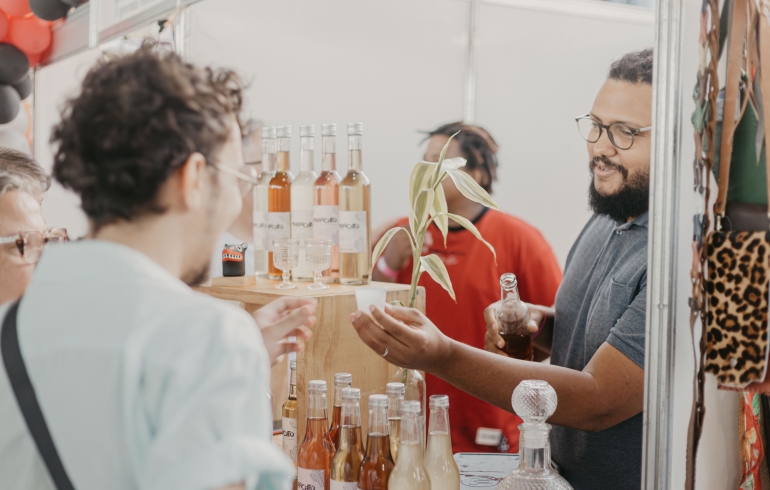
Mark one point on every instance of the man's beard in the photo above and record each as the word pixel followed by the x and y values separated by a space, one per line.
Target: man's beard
pixel 199 273
pixel 632 200
pixel 196 277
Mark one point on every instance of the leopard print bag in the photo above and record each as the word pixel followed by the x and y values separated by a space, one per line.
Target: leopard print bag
pixel 737 290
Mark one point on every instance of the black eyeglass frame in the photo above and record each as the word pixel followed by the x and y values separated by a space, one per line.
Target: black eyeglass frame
pixel 606 127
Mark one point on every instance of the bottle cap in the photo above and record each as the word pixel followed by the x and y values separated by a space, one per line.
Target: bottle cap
pixel 439 401
pixel 329 129
pixel 410 406
pixel 351 394
pixel 317 386
pixel 307 131
pixel 355 128
pixel 397 388
pixel 534 401
pixel 343 379
pixel 376 401
pixel 283 132
pixel 293 364
pixel 268 132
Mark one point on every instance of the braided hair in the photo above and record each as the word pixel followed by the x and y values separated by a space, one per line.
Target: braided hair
pixel 477 146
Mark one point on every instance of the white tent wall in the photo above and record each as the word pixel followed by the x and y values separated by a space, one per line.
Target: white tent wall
pixel 399 66
pixel 718 464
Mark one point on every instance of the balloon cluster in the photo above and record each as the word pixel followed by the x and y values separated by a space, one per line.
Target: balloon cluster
pixel 25 35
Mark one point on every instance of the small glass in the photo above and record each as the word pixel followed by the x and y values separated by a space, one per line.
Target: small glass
pixel 285 258
pixel 318 256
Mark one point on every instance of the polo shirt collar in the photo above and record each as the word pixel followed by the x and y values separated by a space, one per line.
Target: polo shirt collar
pixel 642 221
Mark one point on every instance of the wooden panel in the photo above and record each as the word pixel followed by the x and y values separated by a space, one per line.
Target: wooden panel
pixel 335 345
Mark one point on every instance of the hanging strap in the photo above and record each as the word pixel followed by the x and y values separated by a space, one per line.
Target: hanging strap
pixel 764 78
pixel 27 400
pixel 736 36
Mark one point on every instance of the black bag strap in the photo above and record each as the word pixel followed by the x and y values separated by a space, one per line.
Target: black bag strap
pixel 27 400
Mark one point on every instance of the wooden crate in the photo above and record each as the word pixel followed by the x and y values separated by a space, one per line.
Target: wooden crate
pixel 334 347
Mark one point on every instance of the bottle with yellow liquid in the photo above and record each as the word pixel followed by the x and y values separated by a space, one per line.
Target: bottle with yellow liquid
pixel 350 450
pixel 289 416
pixel 409 473
pixel 395 393
pixel 259 216
pixel 439 461
pixel 355 215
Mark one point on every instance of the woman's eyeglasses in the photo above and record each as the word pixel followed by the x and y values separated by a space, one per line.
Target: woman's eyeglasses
pixel 31 243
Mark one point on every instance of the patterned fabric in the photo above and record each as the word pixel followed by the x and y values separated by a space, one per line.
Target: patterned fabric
pixel 752 451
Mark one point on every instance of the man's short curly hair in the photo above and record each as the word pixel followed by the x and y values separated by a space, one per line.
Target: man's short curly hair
pixel 137 119
pixel 634 67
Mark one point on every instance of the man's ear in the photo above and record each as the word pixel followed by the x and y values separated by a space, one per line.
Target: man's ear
pixel 190 182
pixel 480 176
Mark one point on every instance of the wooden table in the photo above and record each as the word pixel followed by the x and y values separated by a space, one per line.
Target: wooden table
pixel 335 346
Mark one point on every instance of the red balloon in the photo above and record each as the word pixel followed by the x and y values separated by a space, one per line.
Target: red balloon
pixel 34 59
pixel 15 8
pixel 3 24
pixel 30 34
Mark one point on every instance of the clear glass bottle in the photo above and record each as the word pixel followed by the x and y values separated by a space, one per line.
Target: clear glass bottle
pixel 414 382
pixel 513 316
pixel 378 463
pixel 316 452
pixel 439 460
pixel 279 198
pixel 355 215
pixel 261 201
pixel 302 201
pixel 409 473
pixel 289 416
pixel 395 392
pixel 341 381
pixel 534 401
pixel 326 204
pixel 350 451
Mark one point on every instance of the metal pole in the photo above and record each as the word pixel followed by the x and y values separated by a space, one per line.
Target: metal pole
pixel 661 273
pixel 469 111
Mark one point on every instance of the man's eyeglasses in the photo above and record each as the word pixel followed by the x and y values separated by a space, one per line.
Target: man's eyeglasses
pixel 245 175
pixel 31 243
pixel 620 135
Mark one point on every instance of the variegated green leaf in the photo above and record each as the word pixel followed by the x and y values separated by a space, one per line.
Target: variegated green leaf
pixel 433 265
pixel 380 247
pixel 470 188
pixel 439 210
pixel 472 228
pixel 418 180
pixel 422 207
pixel 453 163
pixel 437 172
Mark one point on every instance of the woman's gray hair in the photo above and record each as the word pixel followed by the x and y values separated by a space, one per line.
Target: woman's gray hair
pixel 20 172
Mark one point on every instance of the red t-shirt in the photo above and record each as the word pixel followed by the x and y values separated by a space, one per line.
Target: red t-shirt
pixel 521 249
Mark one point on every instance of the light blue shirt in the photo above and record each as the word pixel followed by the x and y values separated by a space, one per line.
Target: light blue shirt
pixel 144 383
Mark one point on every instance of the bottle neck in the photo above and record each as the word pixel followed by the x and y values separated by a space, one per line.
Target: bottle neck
pixel 306 154
pixel 394 405
pixel 338 393
pixel 378 421
pixel 316 406
pixel 510 292
pixel 329 153
pixel 410 428
pixel 533 444
pixel 439 420
pixel 268 161
pixel 283 163
pixel 351 414
pixel 293 385
pixel 354 152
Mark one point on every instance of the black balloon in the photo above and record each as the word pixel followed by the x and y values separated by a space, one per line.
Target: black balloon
pixel 24 87
pixel 14 64
pixel 10 102
pixel 49 9
pixel 74 3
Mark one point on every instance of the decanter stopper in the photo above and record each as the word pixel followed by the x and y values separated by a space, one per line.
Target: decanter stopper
pixel 534 401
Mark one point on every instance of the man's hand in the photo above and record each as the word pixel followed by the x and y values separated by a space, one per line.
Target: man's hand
pixel 411 339
pixel 285 317
pixel 493 342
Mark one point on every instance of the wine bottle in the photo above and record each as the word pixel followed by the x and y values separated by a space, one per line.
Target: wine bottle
pixel 279 198
pixel 261 268
pixel 355 216
pixel 326 205
pixel 302 201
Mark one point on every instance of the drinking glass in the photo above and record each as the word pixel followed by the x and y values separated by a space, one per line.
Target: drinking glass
pixel 318 256
pixel 285 258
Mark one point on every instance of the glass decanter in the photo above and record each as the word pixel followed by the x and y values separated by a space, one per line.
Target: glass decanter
pixel 534 401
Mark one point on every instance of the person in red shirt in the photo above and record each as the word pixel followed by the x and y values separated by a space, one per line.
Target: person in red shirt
pixel 476 426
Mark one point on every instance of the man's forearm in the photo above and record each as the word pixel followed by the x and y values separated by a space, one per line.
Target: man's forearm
pixel 493 378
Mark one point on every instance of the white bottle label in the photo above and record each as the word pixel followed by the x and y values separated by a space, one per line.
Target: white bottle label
pixel 326 223
pixel 278 226
pixel 302 225
pixel 344 485
pixel 353 230
pixel 260 230
pixel 488 437
pixel 289 428
pixel 310 479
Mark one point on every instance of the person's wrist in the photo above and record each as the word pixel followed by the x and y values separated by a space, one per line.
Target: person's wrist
pixel 541 326
pixel 386 270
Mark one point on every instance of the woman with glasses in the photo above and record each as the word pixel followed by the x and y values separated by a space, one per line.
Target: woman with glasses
pixel 23 233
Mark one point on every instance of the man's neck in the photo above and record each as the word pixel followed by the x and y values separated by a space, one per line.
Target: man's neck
pixel 466 208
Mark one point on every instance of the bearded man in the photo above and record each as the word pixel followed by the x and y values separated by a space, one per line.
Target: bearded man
pixel 595 333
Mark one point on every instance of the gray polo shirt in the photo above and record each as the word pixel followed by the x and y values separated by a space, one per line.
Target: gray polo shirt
pixel 602 298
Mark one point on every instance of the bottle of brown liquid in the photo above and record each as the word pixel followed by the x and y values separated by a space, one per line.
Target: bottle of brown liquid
pixel 341 381
pixel 350 451
pixel 279 198
pixel 377 465
pixel 316 453
pixel 513 316
pixel 289 419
